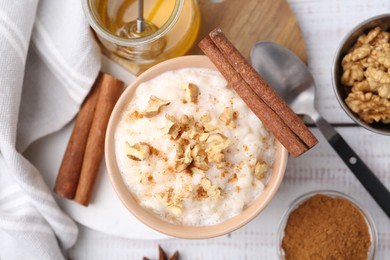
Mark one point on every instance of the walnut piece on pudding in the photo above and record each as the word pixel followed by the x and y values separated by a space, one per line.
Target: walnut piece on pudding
pixel 183 158
pixel 191 92
pixel 138 151
pixel 173 199
pixel 175 210
pixel 172 128
pixel 210 127
pixel 227 116
pixel 261 170
pixel 212 191
pixel 205 118
pixel 216 143
pixel 154 106
pixel 199 157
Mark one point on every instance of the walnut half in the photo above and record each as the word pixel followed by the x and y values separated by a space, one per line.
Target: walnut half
pixel 370 107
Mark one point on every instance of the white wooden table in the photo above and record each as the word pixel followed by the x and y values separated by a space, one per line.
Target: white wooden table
pixel 324 24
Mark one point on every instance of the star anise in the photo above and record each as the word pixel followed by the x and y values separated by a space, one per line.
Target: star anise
pixel 163 256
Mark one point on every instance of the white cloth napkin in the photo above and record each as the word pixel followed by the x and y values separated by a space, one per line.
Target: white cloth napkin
pixel 48 62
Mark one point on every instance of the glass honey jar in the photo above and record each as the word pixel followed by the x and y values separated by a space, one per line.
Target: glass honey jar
pixel 171 27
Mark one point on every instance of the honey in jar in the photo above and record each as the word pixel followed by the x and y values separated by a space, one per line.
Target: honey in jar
pixel 171 27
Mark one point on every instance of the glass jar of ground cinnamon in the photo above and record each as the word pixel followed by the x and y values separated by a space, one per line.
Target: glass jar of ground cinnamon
pixel 326 225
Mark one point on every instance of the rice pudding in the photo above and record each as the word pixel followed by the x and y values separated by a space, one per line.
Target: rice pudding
pixel 190 150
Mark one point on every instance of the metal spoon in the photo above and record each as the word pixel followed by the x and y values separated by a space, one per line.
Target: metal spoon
pixel 140 27
pixel 140 19
pixel 292 80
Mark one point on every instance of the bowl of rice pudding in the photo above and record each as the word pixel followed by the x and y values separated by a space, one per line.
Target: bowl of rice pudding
pixel 185 154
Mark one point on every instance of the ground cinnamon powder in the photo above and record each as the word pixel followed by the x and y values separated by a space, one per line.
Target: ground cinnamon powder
pixel 324 227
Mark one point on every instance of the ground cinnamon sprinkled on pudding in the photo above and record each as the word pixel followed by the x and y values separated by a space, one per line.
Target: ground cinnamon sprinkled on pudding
pixel 195 151
pixel 324 227
pixel 135 115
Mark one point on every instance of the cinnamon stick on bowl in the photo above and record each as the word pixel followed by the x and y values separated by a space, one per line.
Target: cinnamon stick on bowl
pixel 275 114
pixel 269 118
pixel 261 88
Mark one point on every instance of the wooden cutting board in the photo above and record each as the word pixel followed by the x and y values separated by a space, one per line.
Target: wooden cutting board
pixel 246 22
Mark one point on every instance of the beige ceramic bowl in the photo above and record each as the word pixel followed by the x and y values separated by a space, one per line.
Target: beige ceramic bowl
pixel 148 217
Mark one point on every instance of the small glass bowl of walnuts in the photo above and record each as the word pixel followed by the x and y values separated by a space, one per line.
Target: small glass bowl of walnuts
pixel 361 74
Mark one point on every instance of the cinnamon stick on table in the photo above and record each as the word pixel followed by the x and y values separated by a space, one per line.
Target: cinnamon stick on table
pixel 111 88
pixel 69 173
pixel 269 118
pixel 261 87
